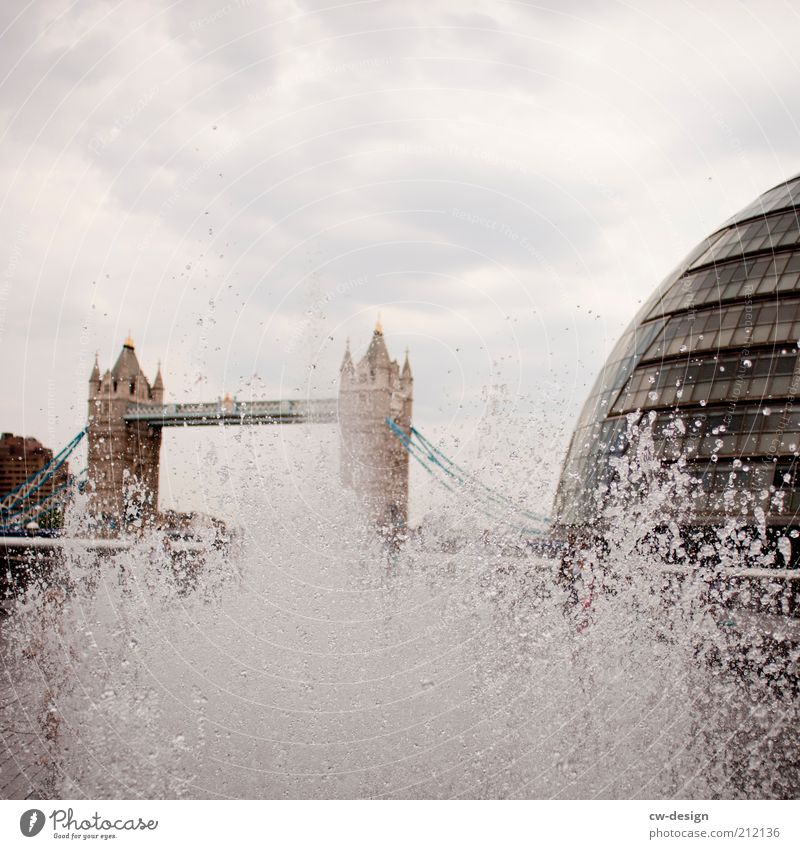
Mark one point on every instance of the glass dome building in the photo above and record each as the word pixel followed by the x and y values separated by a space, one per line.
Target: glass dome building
pixel 712 361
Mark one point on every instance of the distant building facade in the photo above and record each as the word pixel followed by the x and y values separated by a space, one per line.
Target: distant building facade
pixel 123 457
pixel 20 457
pixel 373 461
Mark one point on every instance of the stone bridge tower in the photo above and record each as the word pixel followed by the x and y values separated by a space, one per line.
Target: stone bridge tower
pixel 373 461
pixel 123 460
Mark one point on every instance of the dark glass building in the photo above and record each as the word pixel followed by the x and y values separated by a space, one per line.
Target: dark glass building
pixel 711 364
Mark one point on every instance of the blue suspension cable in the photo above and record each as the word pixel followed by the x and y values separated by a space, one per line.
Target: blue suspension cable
pixel 413 450
pixel 495 496
pixel 30 510
pixel 429 451
pixel 471 480
pixel 25 511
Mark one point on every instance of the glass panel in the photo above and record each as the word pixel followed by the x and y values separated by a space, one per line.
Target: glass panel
pixel 721 378
pixel 782 229
pixel 710 286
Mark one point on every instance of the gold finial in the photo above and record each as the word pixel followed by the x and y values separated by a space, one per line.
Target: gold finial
pixel 128 343
pixel 379 326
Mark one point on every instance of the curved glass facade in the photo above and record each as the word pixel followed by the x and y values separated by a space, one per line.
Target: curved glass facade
pixel 712 360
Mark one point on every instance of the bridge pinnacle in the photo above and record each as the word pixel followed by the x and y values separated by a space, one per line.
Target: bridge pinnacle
pixel 347 360
pixel 406 373
pixel 128 343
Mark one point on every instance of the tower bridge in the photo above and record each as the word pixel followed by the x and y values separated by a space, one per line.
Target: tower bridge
pixel 372 410
pixel 232 412
pixel 127 414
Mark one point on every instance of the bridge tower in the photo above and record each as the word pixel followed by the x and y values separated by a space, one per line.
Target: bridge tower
pixel 373 461
pixel 123 462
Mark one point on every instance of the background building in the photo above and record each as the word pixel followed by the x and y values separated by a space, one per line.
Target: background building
pixel 712 359
pixel 20 457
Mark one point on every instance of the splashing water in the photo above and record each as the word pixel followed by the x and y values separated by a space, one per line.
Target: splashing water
pixel 304 660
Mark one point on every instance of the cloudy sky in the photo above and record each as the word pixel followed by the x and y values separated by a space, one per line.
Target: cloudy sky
pixel 245 184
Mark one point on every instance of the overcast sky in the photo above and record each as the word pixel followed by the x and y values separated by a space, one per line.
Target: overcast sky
pixel 243 185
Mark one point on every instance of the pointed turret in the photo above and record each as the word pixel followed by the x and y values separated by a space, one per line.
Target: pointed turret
pixel 347 361
pixel 95 383
pixel 127 377
pixel 406 374
pixel 158 386
pixel 377 354
pixel 127 365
